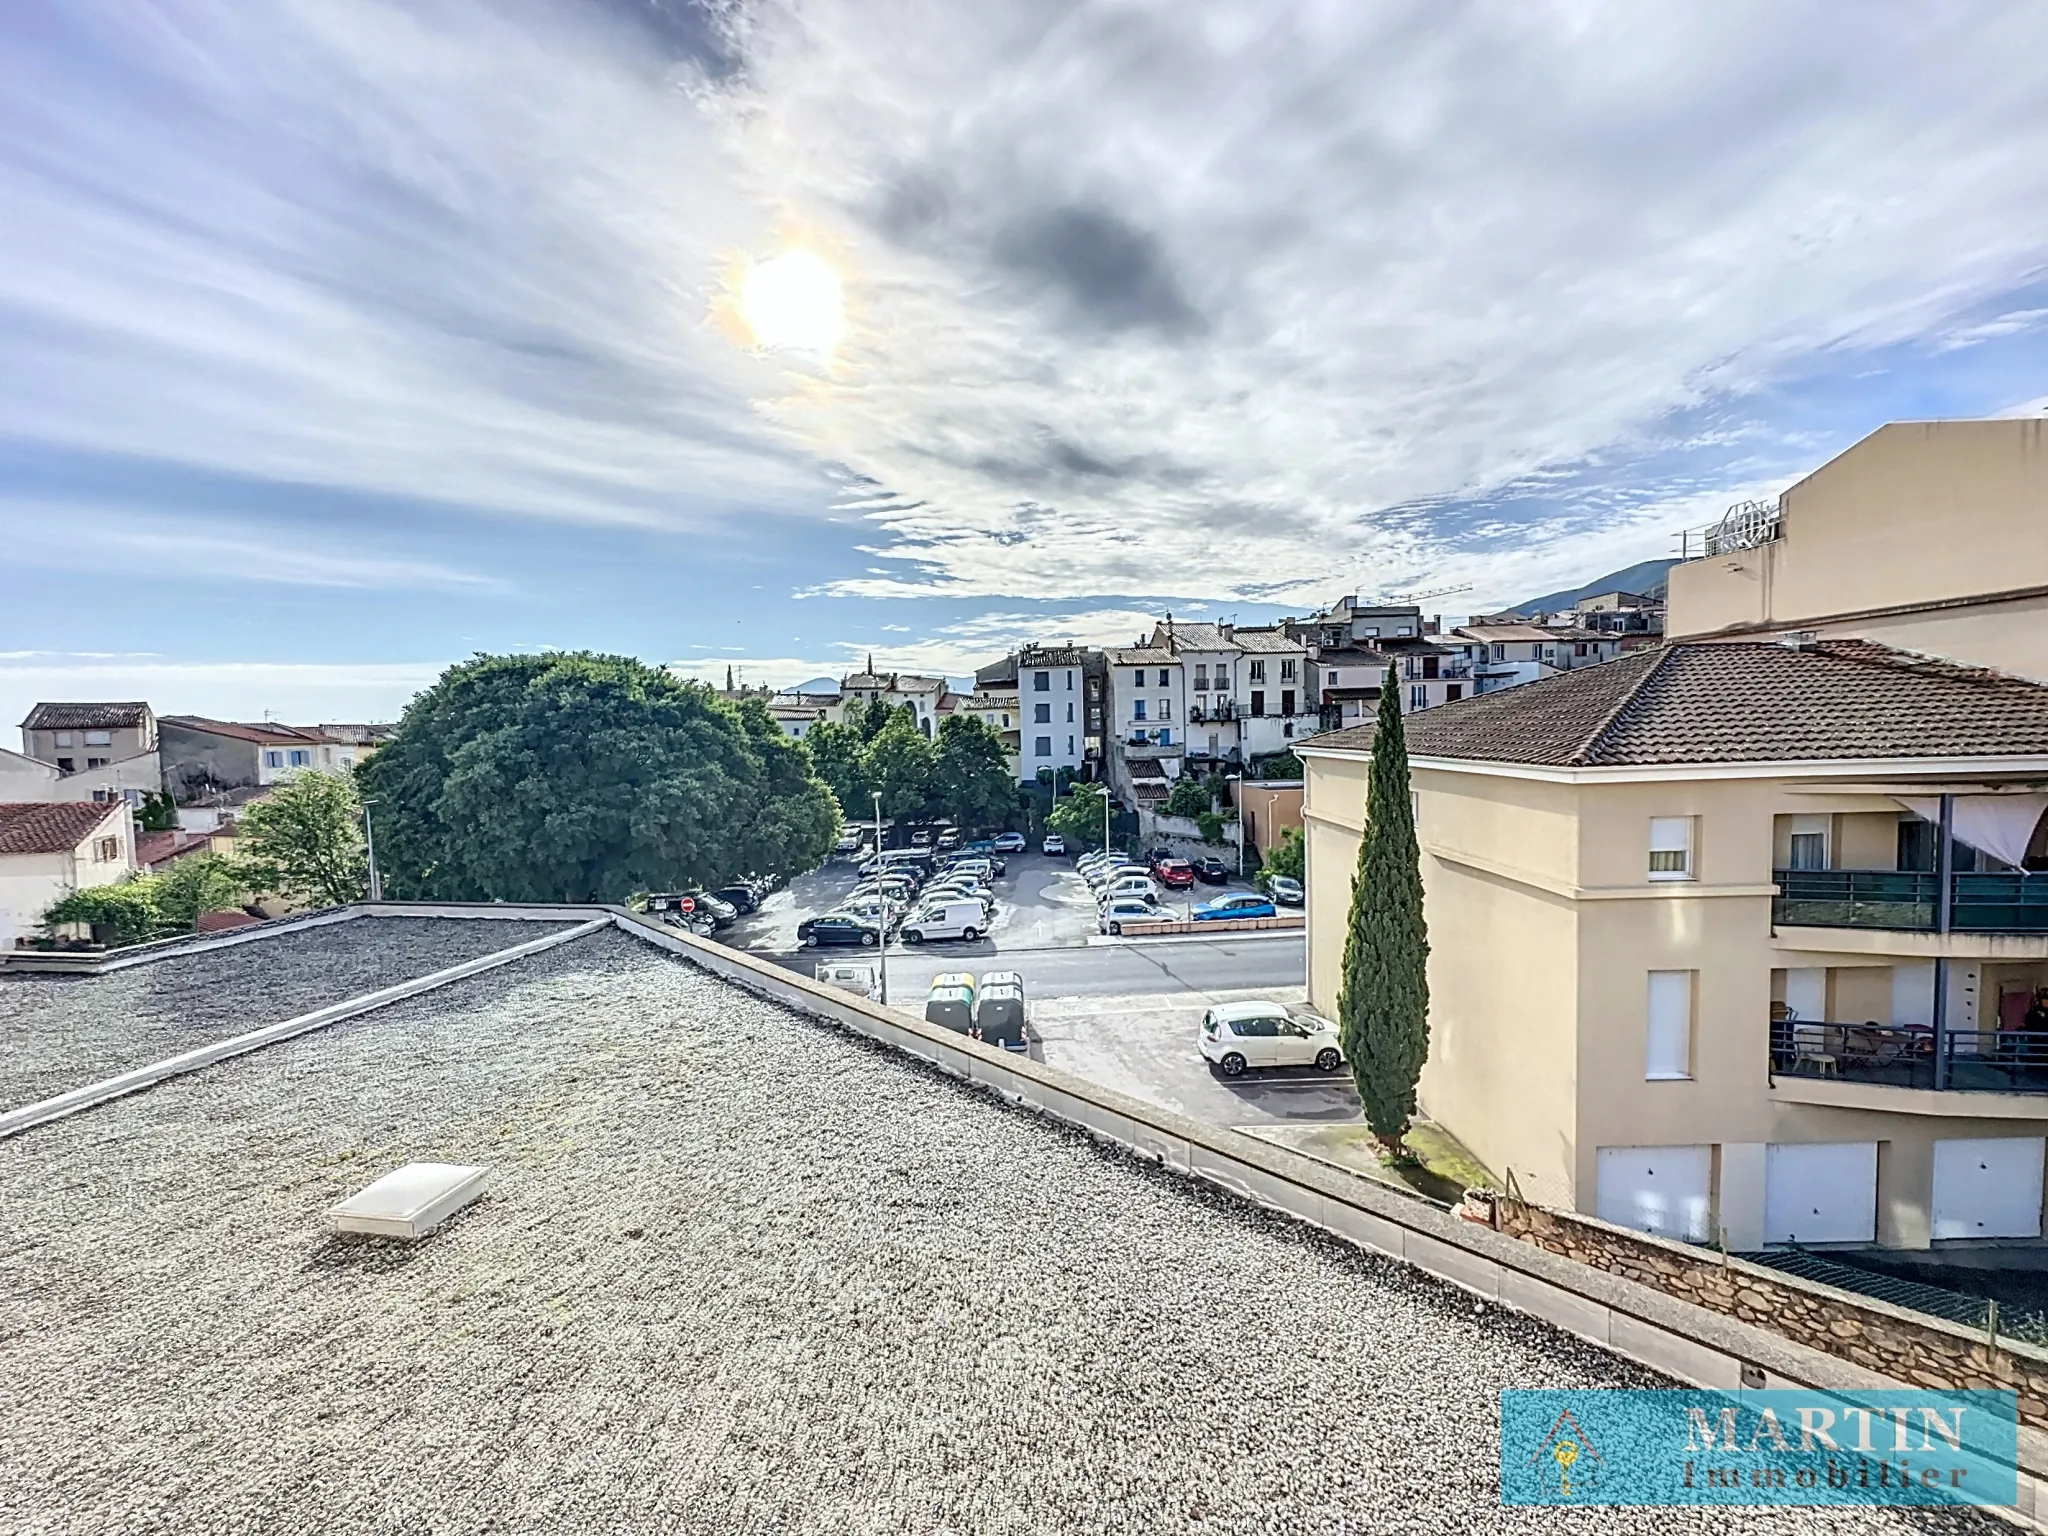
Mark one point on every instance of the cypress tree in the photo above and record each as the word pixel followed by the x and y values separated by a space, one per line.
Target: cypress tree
pixel 1383 1009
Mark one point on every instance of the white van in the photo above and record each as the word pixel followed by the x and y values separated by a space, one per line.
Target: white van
pixel 965 919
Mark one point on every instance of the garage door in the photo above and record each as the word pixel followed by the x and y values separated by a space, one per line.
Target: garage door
pixel 1821 1192
pixel 1665 1190
pixel 1988 1188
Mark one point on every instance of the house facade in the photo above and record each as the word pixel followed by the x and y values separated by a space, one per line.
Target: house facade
pixel 48 850
pixel 205 759
pixel 1148 721
pixel 1062 702
pixel 102 751
pixel 1505 655
pixel 899 690
pixel 1745 938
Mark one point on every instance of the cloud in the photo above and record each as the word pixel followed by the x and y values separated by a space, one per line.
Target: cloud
pixel 306 693
pixel 1232 300
pixel 43 534
pixel 1239 304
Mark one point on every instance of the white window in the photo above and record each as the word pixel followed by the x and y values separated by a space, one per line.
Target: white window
pixel 99 738
pixel 1286 671
pixel 1040 681
pixel 1201 677
pixel 1042 715
pixel 1671 847
pixel 1669 1053
pixel 273 759
pixel 1138 678
pixel 64 739
pixel 1070 746
pixel 1070 711
pixel 1070 682
pixel 1418 697
pixel 1043 744
pixel 1809 842
pixel 300 758
pixel 1166 709
pixel 1258 672
pixel 106 850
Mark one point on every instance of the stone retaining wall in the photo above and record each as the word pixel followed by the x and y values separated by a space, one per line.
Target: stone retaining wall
pixel 1924 1352
pixel 1213 925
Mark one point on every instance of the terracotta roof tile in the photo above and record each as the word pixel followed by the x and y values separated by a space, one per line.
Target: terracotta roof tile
pixel 51 828
pixel 1740 702
pixel 85 717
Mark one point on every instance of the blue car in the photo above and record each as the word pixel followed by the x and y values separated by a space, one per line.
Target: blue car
pixel 1240 905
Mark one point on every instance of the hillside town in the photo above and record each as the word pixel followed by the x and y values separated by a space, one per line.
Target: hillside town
pixel 804 767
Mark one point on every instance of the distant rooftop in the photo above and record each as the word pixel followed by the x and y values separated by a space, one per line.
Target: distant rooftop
pixel 40 827
pixel 86 717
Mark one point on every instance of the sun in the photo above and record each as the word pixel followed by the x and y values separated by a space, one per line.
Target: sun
pixel 793 303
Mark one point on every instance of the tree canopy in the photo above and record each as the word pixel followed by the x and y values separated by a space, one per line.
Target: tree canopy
pixel 572 776
pixel 157 906
pixel 963 775
pixel 305 840
pixel 1077 816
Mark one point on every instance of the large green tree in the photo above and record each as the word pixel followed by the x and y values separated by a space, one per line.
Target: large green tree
pixel 1383 1008
pixel 900 763
pixel 1077 816
pixel 571 776
pixel 304 839
pixel 838 755
pixel 971 779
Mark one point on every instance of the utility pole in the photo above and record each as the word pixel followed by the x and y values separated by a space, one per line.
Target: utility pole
pixel 370 844
pixel 882 940
pixel 1105 815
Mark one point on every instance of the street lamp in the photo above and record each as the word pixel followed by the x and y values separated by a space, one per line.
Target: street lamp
pixel 1105 815
pixel 882 941
pixel 370 846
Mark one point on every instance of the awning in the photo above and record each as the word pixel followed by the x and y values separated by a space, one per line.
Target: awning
pixel 2000 825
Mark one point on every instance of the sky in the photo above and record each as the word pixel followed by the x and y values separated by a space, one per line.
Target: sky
pixel 342 339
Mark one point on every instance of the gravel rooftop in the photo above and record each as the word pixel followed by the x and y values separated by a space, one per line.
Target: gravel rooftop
pixel 62 1032
pixel 739 1272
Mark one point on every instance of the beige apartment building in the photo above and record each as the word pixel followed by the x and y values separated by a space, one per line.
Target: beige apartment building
pixel 1703 962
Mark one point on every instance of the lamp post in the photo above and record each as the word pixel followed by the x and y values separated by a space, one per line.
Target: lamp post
pixel 882 941
pixel 370 846
pixel 1105 815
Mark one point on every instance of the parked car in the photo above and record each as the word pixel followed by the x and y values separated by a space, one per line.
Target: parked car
pixel 1237 904
pixel 1099 857
pixel 857 977
pixel 741 898
pixel 849 843
pixel 900 891
pixel 1212 871
pixel 871 909
pixel 949 837
pixel 964 919
pixel 1140 887
pixel 958 887
pixel 976 864
pixel 838 928
pixel 1239 1036
pixel 1177 873
pixel 723 913
pixel 921 838
pixel 1285 890
pixel 980 845
pixel 1130 909
pixel 1054 846
pixel 1108 874
pixel 1010 842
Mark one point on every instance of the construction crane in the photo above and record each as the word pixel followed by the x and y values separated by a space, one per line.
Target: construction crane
pixel 1416 597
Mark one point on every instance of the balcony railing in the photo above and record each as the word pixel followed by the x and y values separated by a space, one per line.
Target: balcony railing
pixel 1137 750
pixel 1904 1056
pixel 1905 900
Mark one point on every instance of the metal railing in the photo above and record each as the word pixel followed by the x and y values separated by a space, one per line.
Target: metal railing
pixel 1905 900
pixel 1904 1056
pixel 1855 898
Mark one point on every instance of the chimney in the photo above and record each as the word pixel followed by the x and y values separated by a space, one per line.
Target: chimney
pixel 1169 631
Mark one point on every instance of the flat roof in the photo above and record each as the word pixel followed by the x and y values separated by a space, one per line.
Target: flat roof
pixel 737 1270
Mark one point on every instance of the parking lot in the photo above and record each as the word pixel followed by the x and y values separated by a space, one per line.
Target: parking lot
pixel 1041 904
pixel 1121 1012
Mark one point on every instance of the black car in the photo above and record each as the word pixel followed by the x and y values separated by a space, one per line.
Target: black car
pixel 1212 871
pixel 837 928
pixel 745 898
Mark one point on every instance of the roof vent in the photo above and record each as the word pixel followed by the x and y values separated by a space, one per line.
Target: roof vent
pixel 412 1201
pixel 1801 640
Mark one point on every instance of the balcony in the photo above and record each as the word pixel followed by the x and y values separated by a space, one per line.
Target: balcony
pixel 1139 749
pixel 1906 900
pixel 1904 1056
pixel 1212 713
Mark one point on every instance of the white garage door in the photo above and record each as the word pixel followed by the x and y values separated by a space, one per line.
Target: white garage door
pixel 1665 1190
pixel 1988 1188
pixel 1821 1192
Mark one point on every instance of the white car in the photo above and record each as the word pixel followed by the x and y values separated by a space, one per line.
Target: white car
pixel 1130 909
pixel 1100 880
pixel 1101 856
pixel 1054 846
pixel 1237 1037
pixel 1135 888
pixel 947 919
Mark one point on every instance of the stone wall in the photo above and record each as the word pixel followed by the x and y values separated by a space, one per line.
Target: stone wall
pixel 1921 1352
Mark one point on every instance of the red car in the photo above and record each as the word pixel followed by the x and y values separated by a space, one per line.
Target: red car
pixel 1178 873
